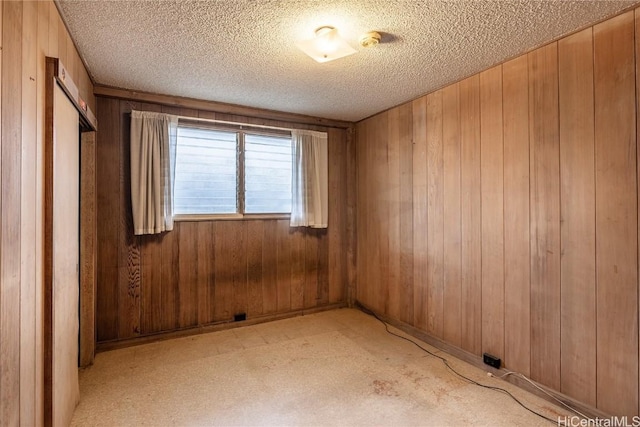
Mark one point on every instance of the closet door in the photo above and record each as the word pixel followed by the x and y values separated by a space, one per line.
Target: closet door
pixel 65 258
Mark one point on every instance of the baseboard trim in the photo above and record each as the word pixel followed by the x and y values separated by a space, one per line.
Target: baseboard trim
pixel 476 360
pixel 212 327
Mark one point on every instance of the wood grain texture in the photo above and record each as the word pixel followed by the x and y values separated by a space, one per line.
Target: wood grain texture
pixel 269 268
pixel 108 210
pixel 363 261
pixel 616 216
pixel 405 211
pixel 43 46
pixel 516 216
pixel 545 215
pixel 420 252
pixel 188 261
pixel 28 210
pixel 471 225
pixel 29 32
pixel 88 243
pixel 336 238
pixel 283 247
pixel 548 213
pixel 128 244
pixel 637 37
pixel 362 236
pixel 492 182
pixel 10 237
pixel 577 207
pixel 435 216
pixel 392 301
pixel 452 292
pixel 205 272
pixel 255 246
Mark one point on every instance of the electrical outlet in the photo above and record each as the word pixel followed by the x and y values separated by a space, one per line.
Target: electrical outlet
pixel 490 360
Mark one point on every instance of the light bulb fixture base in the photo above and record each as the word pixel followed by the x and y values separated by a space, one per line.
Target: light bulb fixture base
pixel 370 39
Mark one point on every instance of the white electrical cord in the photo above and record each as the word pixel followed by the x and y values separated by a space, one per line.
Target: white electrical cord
pixel 517 374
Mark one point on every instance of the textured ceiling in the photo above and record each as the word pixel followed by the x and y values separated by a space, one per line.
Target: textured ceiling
pixel 243 52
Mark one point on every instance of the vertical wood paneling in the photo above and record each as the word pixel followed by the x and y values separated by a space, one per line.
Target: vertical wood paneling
pixel 352 215
pixel 224 260
pixel 53 30
pixel 323 265
pixel 435 216
pixel 420 253
pixel 452 297
pixel 108 211
pixel 28 210
pixel 27 35
pixel 577 209
pixel 10 237
pixel 400 300
pixel 206 271
pixel 492 211
pixel 392 302
pixel 255 230
pixel 545 215
pixel 471 224
pixel 516 215
pixel 298 269
pixel 169 292
pixel 269 268
pixel 337 265
pixel 379 214
pixel 43 47
pixel 88 243
pixel 616 216
pixel 188 245
pixel 239 268
pixel 151 298
pixel 311 268
pixel 362 209
pixel 283 267
pixel 128 244
pixel 62 40
pixel 405 136
pixel 637 58
pixel 548 213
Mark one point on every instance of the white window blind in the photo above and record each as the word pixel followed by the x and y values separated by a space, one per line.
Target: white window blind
pixel 231 171
pixel 267 172
pixel 206 179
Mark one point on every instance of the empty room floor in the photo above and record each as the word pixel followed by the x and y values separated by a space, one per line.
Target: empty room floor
pixel 337 367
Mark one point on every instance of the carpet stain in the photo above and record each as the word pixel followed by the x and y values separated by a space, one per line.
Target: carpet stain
pixel 385 388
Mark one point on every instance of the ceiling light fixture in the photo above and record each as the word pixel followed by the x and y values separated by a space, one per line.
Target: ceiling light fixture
pixel 327 45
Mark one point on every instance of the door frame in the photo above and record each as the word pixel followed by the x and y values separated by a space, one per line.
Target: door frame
pixel 56 74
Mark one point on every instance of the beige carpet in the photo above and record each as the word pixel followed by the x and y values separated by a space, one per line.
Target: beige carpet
pixel 332 368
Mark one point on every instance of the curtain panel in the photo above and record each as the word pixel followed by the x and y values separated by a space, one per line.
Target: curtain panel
pixel 309 182
pixel 153 147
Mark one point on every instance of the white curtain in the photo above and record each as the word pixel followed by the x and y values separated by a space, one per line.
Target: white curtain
pixel 153 149
pixel 309 184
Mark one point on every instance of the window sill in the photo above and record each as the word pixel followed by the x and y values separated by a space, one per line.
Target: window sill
pixel 228 217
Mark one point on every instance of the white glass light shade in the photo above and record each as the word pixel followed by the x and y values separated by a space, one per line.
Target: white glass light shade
pixel 326 45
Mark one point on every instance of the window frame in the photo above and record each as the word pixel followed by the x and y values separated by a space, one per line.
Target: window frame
pixel 240 130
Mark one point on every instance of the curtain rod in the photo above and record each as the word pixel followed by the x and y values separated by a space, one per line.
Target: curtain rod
pixel 226 122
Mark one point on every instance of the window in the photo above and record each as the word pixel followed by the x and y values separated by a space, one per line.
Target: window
pixel 231 172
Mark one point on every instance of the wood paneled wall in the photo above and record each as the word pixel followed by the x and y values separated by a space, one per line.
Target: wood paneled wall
pixel 204 272
pixel 500 214
pixel 29 31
